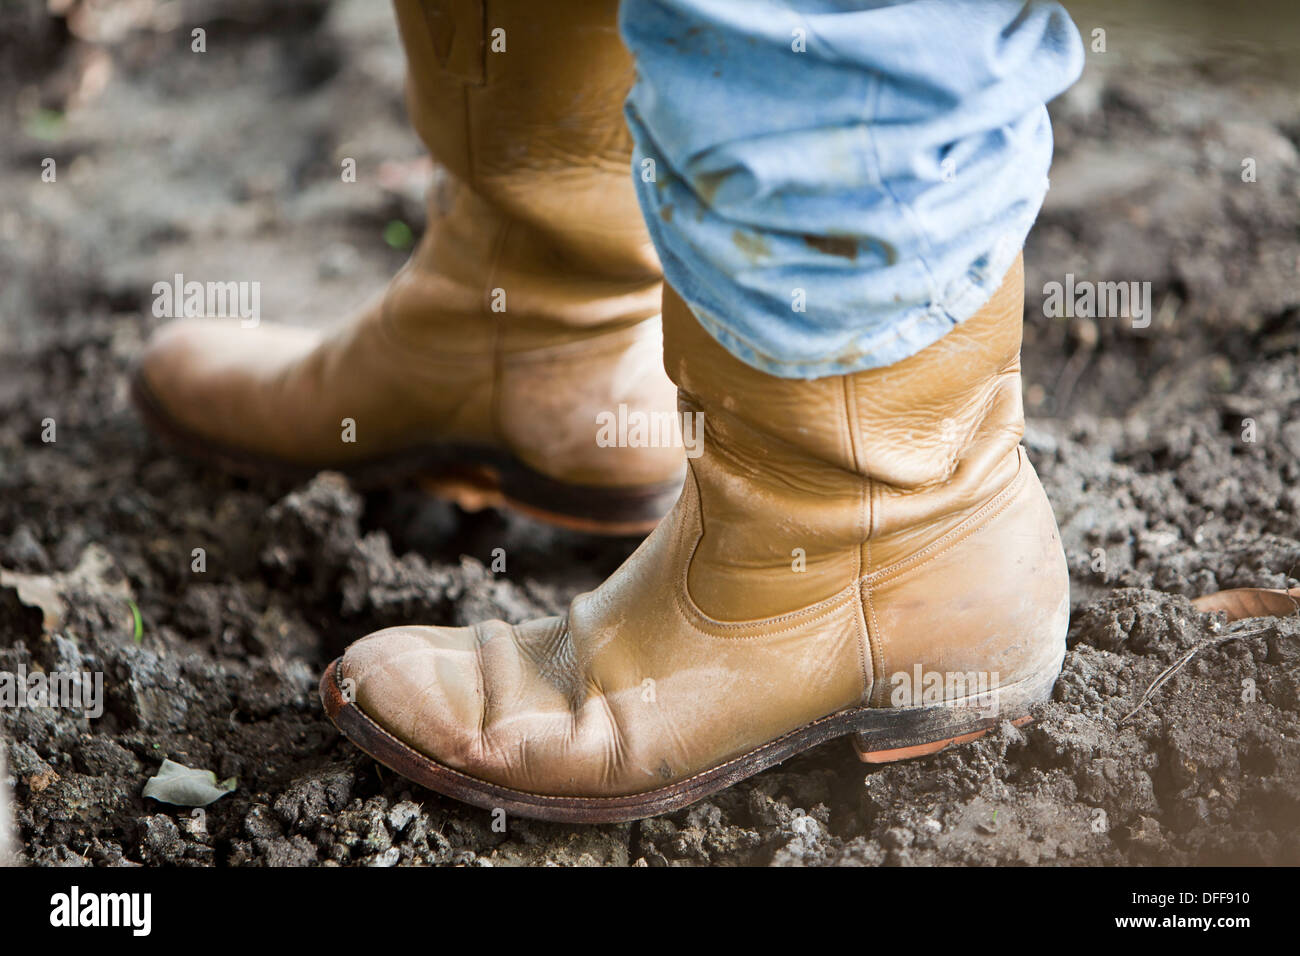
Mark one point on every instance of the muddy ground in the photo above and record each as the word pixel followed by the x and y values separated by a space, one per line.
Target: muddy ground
pixel 225 165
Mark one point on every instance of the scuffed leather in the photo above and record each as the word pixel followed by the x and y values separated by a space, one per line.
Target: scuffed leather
pixel 926 545
pixel 542 211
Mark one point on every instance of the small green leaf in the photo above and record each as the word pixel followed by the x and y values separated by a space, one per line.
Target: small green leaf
pixel 139 621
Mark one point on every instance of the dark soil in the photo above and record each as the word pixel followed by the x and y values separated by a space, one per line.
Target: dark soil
pixel 226 164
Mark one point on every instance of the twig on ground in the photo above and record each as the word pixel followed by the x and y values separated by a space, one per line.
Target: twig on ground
pixel 1179 664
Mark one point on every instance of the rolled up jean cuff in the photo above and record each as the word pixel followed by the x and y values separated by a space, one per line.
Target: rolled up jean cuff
pixel 841 208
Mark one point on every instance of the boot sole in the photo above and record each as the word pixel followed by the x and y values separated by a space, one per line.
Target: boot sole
pixel 879 735
pixel 472 476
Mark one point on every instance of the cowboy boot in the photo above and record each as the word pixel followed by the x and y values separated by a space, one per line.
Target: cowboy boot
pixel 529 310
pixel 868 555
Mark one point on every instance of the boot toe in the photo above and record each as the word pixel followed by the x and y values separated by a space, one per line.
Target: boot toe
pixel 424 686
pixel 197 373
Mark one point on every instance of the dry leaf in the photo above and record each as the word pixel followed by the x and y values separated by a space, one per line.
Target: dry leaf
pixel 1240 603
pixel 95 574
pixel 184 786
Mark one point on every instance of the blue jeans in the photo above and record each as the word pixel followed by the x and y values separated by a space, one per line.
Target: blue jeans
pixel 832 185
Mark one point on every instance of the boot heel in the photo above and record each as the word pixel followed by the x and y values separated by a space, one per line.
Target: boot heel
pixel 595 510
pixel 475 478
pixel 868 747
pixel 888 734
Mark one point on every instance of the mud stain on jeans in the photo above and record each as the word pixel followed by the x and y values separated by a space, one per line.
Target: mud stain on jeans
pixel 843 247
pixel 752 245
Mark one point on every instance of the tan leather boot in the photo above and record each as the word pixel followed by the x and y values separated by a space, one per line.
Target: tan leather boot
pixel 529 310
pixel 868 555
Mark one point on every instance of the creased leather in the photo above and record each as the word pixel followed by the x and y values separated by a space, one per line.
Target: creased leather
pixel 927 545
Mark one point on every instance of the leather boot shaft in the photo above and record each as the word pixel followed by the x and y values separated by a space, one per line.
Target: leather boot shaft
pixel 850 472
pixel 522 103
